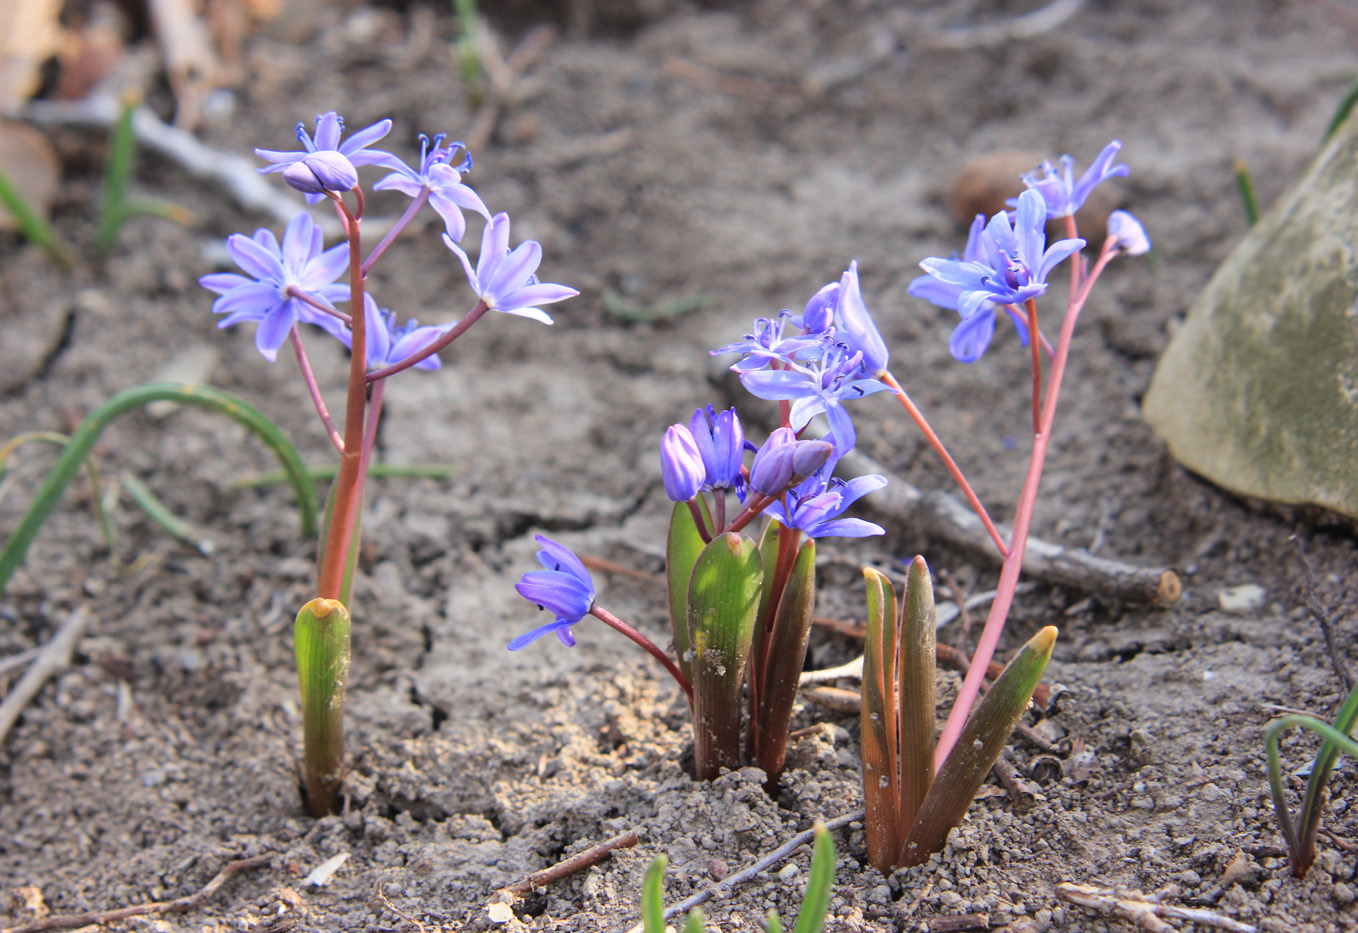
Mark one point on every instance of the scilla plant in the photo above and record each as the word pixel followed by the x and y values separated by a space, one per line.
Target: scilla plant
pixel 741 607
pixel 296 282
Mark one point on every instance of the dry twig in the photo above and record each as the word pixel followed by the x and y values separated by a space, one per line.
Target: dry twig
pixel 942 515
pixel 1142 911
pixel 54 658
pixel 570 866
pixel 750 871
pixel 501 73
pixel 1025 26
pixel 176 906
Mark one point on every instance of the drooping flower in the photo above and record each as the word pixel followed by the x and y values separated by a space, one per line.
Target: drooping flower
pixel 1009 266
pixel 276 275
pixel 814 506
pixel 768 343
pixel 440 175
pixel 818 384
pixel 681 464
pixel 721 442
pixel 388 344
pixel 1063 194
pixel 564 588
pixel 505 279
pixel 326 164
pixel 1126 235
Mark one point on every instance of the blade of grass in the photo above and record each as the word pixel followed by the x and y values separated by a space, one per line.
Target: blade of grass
pixel 31 224
pixel 816 901
pixel 83 440
pixel 652 896
pixel 122 144
pixel 159 513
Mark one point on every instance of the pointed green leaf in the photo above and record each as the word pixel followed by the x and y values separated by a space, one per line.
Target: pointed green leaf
pixel 652 896
pixel 980 743
pixel 681 553
pixel 695 923
pixel 321 643
pixel 771 922
pixel 723 596
pixel 784 656
pixel 918 693
pixel 817 898
pixel 880 778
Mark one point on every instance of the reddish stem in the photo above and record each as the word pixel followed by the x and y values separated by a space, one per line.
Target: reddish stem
pixel 309 378
pixel 953 469
pixel 1023 519
pixel 1031 307
pixel 349 480
pixel 609 619
pixel 457 330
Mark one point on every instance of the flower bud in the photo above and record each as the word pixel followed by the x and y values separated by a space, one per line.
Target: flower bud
pixel 722 445
pixel 810 456
pixel 1128 235
pixel 681 465
pixel 772 470
pixel 321 172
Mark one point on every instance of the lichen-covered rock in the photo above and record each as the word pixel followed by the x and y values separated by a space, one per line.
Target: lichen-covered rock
pixel 1258 392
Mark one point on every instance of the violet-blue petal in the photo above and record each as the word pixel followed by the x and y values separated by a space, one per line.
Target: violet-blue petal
pixel 681 464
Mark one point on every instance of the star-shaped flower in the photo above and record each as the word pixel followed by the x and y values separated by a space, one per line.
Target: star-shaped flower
pixel 564 588
pixel 388 344
pixel 1063 194
pixel 505 279
pixel 440 175
pixel 326 164
pixel 277 276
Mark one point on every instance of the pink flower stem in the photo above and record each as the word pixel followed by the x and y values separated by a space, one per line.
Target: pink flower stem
pixel 1023 520
pixel 309 378
pixel 457 330
pixel 349 479
pixel 612 621
pixel 395 230
pixel 937 444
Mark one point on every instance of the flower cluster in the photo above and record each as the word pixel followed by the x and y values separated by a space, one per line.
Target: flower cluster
pixel 298 282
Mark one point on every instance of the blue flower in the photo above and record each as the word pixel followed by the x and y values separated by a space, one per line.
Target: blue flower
pixel 1126 235
pixel 326 161
pixel 783 459
pixel 388 344
pixel 505 280
pixel 768 343
pixel 816 385
pixel 564 588
pixel 814 506
pixel 721 442
pixel 681 465
pixel 276 277
pixel 441 178
pixel 855 327
pixel 1058 187
pixel 1008 267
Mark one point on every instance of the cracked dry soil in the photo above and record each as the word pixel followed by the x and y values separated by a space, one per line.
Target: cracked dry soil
pixel 741 155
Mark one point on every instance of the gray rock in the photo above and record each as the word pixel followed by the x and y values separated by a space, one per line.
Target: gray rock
pixel 1258 392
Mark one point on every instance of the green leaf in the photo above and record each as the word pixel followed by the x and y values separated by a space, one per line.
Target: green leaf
pixel 684 546
pixel 321 643
pixel 122 145
pixel 784 654
pixel 723 596
pixel 652 896
pixel 771 922
pixel 694 923
pixel 1302 846
pixel 817 898
pixel 32 224
pixel 881 790
pixel 83 441
pixel 917 694
pixel 979 744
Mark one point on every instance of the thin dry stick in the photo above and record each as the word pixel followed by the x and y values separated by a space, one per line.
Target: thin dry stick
pixel 382 899
pixel 944 516
pixel 1136 907
pixel 749 872
pixel 570 866
pixel 1317 611
pixel 501 74
pixel 177 906
pixel 1025 26
pixel 54 658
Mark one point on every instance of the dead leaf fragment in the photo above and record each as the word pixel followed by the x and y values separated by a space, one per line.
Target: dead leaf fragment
pixel 31 165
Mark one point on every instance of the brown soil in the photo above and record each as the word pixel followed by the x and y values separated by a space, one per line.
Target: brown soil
pixel 742 156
